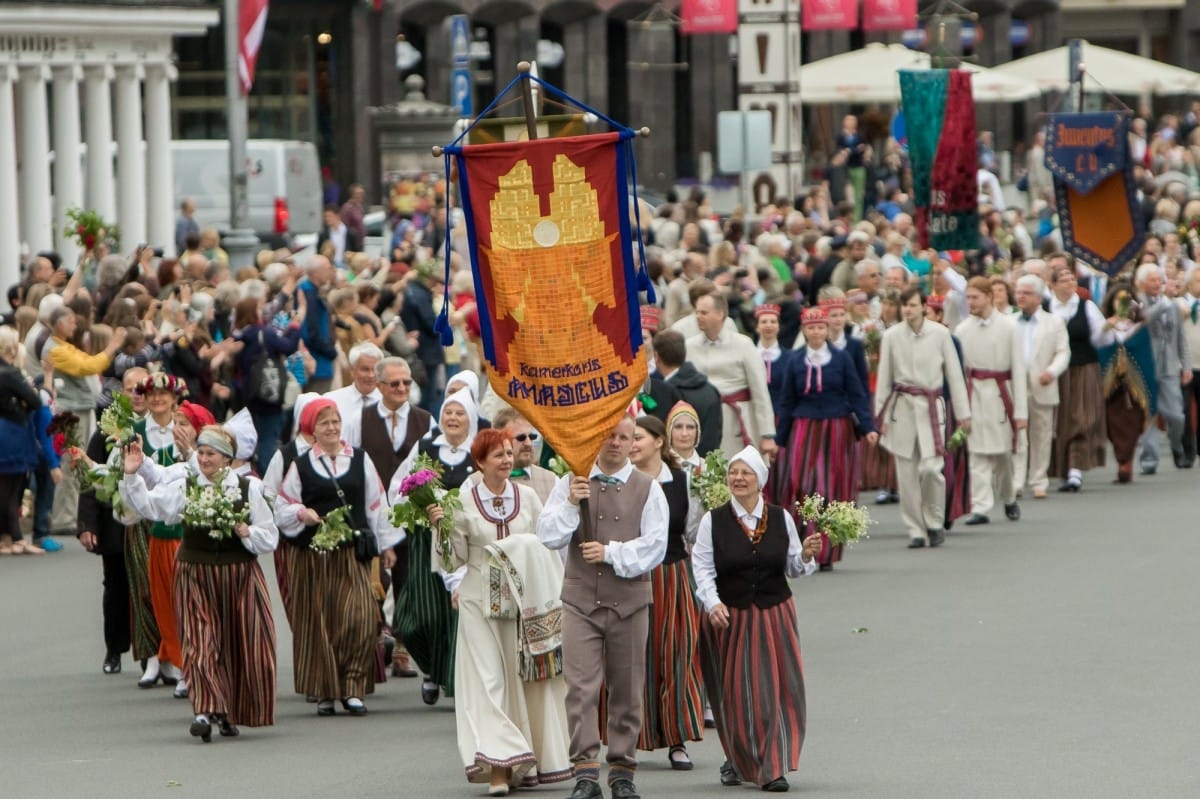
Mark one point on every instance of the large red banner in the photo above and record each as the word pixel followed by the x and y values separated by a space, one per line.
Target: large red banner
pixel 829 15
pixel 889 15
pixel 708 16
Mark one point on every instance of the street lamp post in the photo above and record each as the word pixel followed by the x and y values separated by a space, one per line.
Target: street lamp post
pixel 239 242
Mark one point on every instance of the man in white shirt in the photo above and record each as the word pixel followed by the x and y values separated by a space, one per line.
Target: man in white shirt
pixel 364 391
pixel 997 390
pixel 1047 354
pixel 606 604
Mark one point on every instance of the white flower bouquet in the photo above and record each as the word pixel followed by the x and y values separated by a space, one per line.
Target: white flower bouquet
pixel 841 522
pixel 214 507
pixel 333 531
pixel 709 482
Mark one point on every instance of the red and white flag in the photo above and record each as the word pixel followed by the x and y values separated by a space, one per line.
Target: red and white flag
pixel 252 21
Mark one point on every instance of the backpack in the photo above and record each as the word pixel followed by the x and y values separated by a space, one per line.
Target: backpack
pixel 267 379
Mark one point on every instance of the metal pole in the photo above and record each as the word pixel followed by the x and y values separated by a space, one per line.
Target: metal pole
pixel 240 243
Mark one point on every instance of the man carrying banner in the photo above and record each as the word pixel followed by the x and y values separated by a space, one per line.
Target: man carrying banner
pixel 732 364
pixel 916 359
pixel 606 597
pixel 997 391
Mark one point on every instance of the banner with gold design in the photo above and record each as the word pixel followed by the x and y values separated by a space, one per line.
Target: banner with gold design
pixel 548 224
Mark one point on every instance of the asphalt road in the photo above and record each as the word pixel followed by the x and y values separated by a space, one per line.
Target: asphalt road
pixel 1054 657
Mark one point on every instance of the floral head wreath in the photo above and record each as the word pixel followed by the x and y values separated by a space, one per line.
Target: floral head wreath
pixel 161 380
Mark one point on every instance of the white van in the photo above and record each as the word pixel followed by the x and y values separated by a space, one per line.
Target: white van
pixel 284 185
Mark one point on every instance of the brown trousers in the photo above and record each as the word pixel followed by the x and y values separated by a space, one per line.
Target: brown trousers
pixel 602 649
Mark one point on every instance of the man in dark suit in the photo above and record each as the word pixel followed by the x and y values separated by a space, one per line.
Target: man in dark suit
pixel 339 236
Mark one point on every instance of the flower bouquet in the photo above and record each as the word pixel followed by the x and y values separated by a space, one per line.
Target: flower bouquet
pixel 709 482
pixel 89 229
pixel 214 507
pixel 333 531
pixel 64 435
pixel 116 422
pixel 841 522
pixel 558 466
pixel 420 489
pixel 958 440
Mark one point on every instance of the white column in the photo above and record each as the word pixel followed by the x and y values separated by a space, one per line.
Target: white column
pixel 160 184
pixel 68 172
pixel 131 166
pixel 101 196
pixel 10 245
pixel 37 229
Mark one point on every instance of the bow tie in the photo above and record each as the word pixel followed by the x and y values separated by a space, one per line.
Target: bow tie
pixel 1026 317
pixel 607 479
pixel 518 473
pixel 1195 312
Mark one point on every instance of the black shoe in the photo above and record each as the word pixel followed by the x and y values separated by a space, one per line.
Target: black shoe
pixel 825 567
pixel 1182 461
pixel 1012 512
pixel 916 543
pixel 976 518
pixel 685 764
pixel 729 775
pixel 777 785
pixel 112 664
pixel 1069 487
pixel 936 537
pixel 587 789
pixel 354 706
pixel 226 729
pixel 429 693
pixel 325 707
pixel 202 729
pixel 623 789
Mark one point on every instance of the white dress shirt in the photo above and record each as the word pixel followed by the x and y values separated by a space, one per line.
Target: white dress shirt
pixel 350 403
pixel 161 437
pixel 352 427
pixel 166 501
pixel 560 519
pixel 273 476
pixel 705 569
pixel 1027 328
pixel 289 506
pixel 695 510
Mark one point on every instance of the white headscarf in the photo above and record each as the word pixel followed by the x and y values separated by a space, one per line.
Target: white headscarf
pixel 462 397
pixel 751 458
pixel 241 427
pixel 472 381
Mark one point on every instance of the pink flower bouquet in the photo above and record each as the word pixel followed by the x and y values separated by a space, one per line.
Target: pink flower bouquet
pixel 420 489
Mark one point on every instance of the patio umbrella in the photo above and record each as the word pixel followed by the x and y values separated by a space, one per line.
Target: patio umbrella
pixel 1118 72
pixel 869 75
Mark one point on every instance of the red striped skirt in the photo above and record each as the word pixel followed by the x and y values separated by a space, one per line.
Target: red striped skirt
pixel 672 709
pixel 822 458
pixel 878 468
pixel 754 677
pixel 228 640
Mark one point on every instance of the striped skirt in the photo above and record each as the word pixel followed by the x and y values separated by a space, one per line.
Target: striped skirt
pixel 878 468
pixel 424 620
pixel 146 639
pixel 335 623
pixel 754 677
pixel 285 553
pixel 1080 437
pixel 672 709
pixel 228 640
pixel 822 458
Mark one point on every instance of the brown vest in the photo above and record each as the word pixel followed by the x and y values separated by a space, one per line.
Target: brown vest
pixel 616 512
pixel 377 442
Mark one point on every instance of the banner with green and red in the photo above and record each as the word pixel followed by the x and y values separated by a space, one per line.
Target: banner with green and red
pixel 940 110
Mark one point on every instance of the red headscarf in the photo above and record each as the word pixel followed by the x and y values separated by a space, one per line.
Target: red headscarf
pixel 308 418
pixel 199 416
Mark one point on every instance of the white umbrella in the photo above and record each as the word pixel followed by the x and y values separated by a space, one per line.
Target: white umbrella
pixel 1118 72
pixel 870 75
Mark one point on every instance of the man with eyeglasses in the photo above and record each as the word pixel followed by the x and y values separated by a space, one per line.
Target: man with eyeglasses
pixel 525 439
pixel 387 431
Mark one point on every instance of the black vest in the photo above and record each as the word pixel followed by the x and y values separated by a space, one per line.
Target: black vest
pixel 1079 334
pixel 748 574
pixel 377 441
pixel 452 476
pixel 676 492
pixel 317 491
pixel 199 547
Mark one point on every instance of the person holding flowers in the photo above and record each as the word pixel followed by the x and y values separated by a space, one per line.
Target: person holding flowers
pixel 425 613
pixel 1127 369
pixel 510 705
pixel 824 410
pixel 331 506
pixel 672 708
pixel 745 552
pixel 227 633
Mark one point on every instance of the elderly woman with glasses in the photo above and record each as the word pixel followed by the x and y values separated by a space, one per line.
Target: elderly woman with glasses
pixel 745 552
pixel 227 633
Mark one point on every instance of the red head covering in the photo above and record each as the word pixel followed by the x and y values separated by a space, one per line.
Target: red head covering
pixel 768 309
pixel 199 416
pixel 308 419
pixel 936 302
pixel 651 318
pixel 832 302
pixel 814 316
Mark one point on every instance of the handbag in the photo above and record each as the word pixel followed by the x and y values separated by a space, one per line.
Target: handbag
pixel 366 548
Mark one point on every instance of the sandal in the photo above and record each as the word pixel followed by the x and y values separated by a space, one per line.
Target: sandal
pixel 678 755
pixel 23 547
